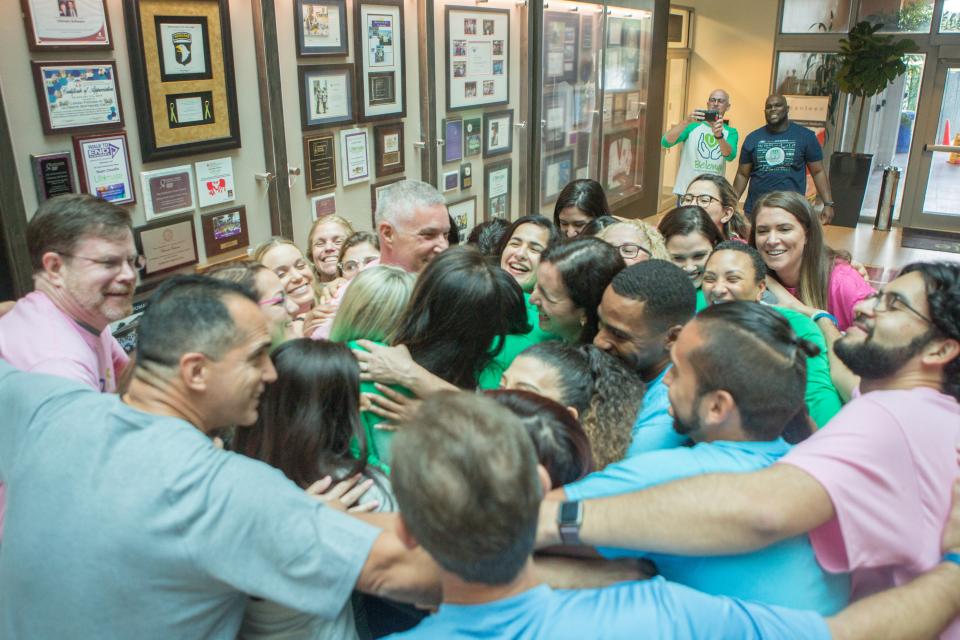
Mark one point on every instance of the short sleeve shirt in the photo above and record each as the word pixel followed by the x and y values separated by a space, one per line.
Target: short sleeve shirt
pixel 701 153
pixel 653 428
pixel 779 160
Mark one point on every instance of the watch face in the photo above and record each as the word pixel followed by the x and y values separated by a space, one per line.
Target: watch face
pixel 569 512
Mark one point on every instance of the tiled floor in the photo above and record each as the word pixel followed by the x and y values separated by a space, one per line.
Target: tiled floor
pixel 880 251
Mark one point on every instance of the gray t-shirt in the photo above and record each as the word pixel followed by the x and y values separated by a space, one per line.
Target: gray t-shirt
pixel 123 524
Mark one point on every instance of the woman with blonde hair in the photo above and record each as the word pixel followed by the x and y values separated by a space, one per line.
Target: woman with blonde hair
pixel 373 304
pixel 284 258
pixel 324 241
pixel 635 240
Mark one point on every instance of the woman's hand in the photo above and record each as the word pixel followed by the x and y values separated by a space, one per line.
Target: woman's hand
pixel 389 365
pixel 392 405
pixel 316 317
pixel 343 496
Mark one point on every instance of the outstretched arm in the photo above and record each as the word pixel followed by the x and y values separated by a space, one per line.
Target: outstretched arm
pixel 394 571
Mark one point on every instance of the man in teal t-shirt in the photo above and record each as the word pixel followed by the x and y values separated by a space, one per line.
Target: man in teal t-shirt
pixel 709 144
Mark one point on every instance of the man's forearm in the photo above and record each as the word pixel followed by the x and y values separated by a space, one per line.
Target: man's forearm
pixel 822 184
pixel 921 609
pixel 673 133
pixel 396 572
pixel 725 148
pixel 740 182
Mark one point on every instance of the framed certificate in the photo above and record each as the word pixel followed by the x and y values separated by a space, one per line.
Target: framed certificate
pixel 557 172
pixel 376 193
pixel 321 27
pixel 497 181
pixel 103 165
pixel 53 174
pixel 74 96
pixel 452 139
pixel 354 156
pixel 225 230
pixel 168 244
pixel 478 57
pixel 451 180
pixel 464 214
pixel 319 156
pixel 379 42
pixel 497 133
pixel 215 181
pixel 181 63
pixel 167 191
pixel 388 148
pixel 326 95
pixel 59 25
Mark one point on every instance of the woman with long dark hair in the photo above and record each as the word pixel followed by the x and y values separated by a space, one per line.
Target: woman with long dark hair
pixel 580 202
pixel 690 236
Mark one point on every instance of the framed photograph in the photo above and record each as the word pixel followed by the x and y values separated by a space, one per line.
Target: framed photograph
pixel 498 187
pixel 472 137
pixel 466 175
pixel 678 28
pixel 65 25
pixel 586 32
pixel 619 160
pixel 451 180
pixel 354 156
pixel 53 174
pixel 379 41
pixel 168 244
pixel 561 46
pixel 181 64
pixel 464 214
pixel 215 181
pixel 555 116
pixel 634 106
pixel 326 95
pixel 557 172
pixel 74 96
pixel 478 57
pixel 376 193
pixel 497 133
pixel 388 148
pixel 452 140
pixel 319 157
pixel 225 231
pixel 103 166
pixel 321 27
pixel 167 191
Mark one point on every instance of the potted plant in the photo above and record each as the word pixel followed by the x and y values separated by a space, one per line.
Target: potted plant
pixel 868 64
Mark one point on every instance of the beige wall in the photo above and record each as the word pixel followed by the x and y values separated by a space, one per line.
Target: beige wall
pixel 733 50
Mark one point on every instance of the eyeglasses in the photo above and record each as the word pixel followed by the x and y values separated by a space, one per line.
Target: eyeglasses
pixel 703 199
pixel 631 250
pixel 274 301
pixel 891 301
pixel 352 265
pixel 114 263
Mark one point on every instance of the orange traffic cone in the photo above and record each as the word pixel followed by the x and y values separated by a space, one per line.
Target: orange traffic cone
pixel 955 156
pixel 946 133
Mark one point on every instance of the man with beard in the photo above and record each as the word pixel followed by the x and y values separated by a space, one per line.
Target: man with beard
pixel 873 489
pixel 84 273
pixel 735 419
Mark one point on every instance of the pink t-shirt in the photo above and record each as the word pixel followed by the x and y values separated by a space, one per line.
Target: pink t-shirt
pixel 845 289
pixel 36 336
pixel 888 461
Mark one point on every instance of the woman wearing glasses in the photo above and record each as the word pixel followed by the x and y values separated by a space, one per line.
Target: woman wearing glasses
pixel 807 275
pixel 359 250
pixel 635 240
pixel 269 290
pixel 713 194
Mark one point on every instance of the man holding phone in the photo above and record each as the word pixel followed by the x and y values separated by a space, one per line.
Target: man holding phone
pixel 710 142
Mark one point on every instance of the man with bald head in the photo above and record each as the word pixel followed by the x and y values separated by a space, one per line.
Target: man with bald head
pixel 776 157
pixel 412 223
pixel 710 141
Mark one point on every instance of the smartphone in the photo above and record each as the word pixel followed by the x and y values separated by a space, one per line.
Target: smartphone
pixel 710 115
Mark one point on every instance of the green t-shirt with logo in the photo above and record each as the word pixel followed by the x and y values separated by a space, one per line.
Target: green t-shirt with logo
pixel 701 153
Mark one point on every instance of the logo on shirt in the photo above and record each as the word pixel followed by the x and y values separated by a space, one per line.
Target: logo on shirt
pixel 709 147
pixel 775 156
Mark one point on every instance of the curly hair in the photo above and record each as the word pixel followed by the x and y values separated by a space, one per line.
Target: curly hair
pixel 942 283
pixel 653 240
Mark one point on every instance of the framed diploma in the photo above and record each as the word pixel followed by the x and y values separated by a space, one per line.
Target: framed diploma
pixel 74 96
pixel 167 244
pixel 225 231
pixel 452 140
pixel 472 137
pixel 478 57
pixel 326 95
pixel 497 182
pixel 103 165
pixel 321 27
pixel 167 191
pixel 215 181
pixel 60 25
pixel 181 63
pixel 557 172
pixel 53 174
pixel 354 156
pixel 379 40
pixel 319 157
pixel 376 193
pixel 497 133
pixel 388 148
pixel 464 214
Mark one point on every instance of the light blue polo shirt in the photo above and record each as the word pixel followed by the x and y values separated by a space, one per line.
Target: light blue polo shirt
pixel 649 609
pixel 785 574
pixel 653 429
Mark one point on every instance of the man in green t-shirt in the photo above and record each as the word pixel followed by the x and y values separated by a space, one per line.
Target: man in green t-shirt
pixel 736 271
pixel 710 143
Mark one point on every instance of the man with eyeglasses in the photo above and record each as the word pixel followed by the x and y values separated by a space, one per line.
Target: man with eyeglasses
pixel 709 141
pixel 84 274
pixel 872 488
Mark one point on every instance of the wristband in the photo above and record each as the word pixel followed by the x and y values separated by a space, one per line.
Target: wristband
pixel 828 204
pixel 823 314
pixel 569 519
pixel 952 556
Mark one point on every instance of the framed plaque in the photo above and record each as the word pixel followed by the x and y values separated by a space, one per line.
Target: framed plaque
pixel 464 214
pixel 451 180
pixel 379 55
pixel 167 191
pixel 557 172
pixel 53 174
pixel 319 157
pixel 326 95
pixel 225 231
pixel 498 182
pixel 167 244
pixel 466 175
pixel 452 140
pixel 103 165
pixel 74 96
pixel 325 205
pixel 181 62
pixel 497 133
pixel 388 148
pixel 354 156
pixel 472 136
pixel 61 25
pixel 215 181
pixel 376 192
pixel 321 27
pixel 478 57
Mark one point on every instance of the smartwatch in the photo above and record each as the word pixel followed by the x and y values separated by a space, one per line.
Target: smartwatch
pixel 828 203
pixel 569 519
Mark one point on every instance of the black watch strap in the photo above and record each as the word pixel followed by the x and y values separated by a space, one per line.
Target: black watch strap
pixel 569 519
